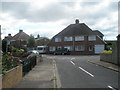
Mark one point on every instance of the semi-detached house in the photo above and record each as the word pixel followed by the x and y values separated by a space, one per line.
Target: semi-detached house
pixel 78 38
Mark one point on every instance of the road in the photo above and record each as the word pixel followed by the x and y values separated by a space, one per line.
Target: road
pixel 77 72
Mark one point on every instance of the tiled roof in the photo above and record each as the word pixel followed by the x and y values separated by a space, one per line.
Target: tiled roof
pixel 21 36
pixel 76 29
pixel 98 33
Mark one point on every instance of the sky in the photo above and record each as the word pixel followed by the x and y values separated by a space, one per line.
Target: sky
pixel 49 17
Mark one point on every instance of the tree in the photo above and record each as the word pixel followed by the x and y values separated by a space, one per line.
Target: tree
pixel 31 41
pixel 4 45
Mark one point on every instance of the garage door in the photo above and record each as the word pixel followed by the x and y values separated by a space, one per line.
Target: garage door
pixel 99 49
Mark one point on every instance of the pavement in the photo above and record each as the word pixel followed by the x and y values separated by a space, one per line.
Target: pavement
pixel 105 65
pixel 41 76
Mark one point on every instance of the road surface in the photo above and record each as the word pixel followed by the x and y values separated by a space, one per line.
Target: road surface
pixel 77 72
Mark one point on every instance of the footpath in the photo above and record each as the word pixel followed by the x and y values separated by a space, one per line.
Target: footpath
pixel 105 65
pixel 41 76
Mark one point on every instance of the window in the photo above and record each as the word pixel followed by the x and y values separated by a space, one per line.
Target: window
pixel 70 48
pixel 57 39
pixel 68 38
pixel 59 47
pixel 79 38
pixel 91 48
pixel 91 38
pixel 80 48
pixel 52 48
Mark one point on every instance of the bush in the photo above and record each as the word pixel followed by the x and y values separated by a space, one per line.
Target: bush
pixel 9 62
pixel 107 52
pixel 21 50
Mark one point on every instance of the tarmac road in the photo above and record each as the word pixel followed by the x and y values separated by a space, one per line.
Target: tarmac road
pixel 77 72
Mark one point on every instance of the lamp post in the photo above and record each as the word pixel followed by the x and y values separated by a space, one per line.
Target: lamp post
pixel 118 58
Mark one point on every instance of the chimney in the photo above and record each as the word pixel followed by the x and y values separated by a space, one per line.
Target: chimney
pixel 77 21
pixel 20 31
pixel 38 36
pixel 9 34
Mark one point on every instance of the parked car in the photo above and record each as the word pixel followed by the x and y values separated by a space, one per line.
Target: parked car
pixel 34 51
pixel 63 51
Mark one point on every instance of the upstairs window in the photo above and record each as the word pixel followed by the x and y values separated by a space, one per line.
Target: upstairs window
pixel 79 38
pixel 68 39
pixel 92 38
pixel 57 39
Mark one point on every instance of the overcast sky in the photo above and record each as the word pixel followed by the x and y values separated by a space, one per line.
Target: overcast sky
pixel 49 18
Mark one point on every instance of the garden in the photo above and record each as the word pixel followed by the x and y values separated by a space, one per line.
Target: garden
pixel 15 65
pixel 13 59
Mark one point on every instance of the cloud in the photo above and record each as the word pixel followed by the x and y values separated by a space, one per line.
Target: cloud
pixel 97 15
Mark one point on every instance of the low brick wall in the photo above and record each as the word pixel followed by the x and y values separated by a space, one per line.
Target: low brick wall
pixel 12 77
pixel 111 58
pixel 38 58
pixel 106 57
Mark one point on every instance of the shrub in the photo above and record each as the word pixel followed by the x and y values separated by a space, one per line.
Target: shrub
pixel 21 50
pixel 107 52
pixel 14 49
pixel 9 62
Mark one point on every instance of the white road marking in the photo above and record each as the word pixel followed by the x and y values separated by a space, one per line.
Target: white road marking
pixel 72 62
pixel 86 71
pixel 111 87
pixel 72 58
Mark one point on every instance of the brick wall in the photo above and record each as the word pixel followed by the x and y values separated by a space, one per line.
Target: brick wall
pixel 12 77
pixel 74 43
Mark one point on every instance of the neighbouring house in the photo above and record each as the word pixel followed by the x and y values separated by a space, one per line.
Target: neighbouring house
pixel 19 40
pixel 42 41
pixel 78 38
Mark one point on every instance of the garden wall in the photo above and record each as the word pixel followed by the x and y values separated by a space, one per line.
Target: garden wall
pixel 12 77
pixel 112 58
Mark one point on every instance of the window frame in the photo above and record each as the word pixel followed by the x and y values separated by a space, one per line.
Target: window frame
pixel 53 48
pixel 66 38
pixel 80 48
pixel 57 39
pixel 91 48
pixel 90 38
pixel 79 38
pixel 71 47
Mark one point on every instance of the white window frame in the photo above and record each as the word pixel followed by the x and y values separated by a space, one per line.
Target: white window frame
pixel 92 38
pixel 68 38
pixel 52 48
pixel 79 48
pixel 70 48
pixel 79 38
pixel 57 39
pixel 59 47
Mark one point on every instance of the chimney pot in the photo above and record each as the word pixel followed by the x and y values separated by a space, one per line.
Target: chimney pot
pixel 20 30
pixel 9 34
pixel 77 21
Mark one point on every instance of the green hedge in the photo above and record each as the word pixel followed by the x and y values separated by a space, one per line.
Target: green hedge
pixel 107 52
